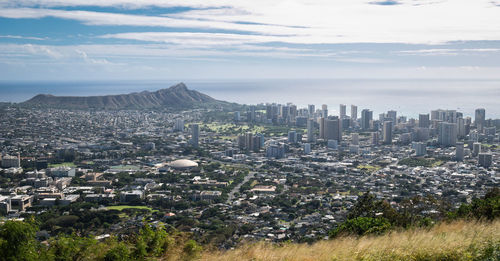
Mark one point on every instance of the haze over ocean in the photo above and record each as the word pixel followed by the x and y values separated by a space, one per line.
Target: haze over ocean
pixel 409 96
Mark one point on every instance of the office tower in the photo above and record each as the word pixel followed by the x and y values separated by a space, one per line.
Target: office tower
pixel 310 130
pixel 435 115
pixel 179 125
pixel 324 111
pixel 476 148
pixel 311 110
pixel 387 132
pixel 460 127
pixel 423 121
pixel 420 148
pixel 479 119
pixel 241 142
pixel 355 138
pixel 269 111
pixel 251 114
pixel 292 137
pixel 447 134
pixel 293 112
pixel 342 111
pixel 375 138
pixel 366 118
pixel 393 116
pixel 275 150
pixel 256 143
pixel 450 116
pixel 333 130
pixel 485 159
pixel 248 141
pixel 345 123
pixel 354 112
pixel 195 134
pixel 459 151
pixel 322 128
pixel 307 148
pixel 236 116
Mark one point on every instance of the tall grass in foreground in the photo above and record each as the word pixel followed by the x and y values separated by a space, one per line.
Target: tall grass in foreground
pixel 460 240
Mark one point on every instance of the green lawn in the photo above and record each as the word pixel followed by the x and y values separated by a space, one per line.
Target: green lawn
pixel 120 208
pixel 65 164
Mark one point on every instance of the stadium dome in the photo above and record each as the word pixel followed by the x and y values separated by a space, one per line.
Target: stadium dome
pixel 183 164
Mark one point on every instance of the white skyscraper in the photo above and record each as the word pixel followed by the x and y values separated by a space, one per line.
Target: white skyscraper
pixel 354 112
pixel 447 134
pixel 342 111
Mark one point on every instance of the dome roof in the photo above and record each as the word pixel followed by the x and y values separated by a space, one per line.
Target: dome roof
pixel 183 164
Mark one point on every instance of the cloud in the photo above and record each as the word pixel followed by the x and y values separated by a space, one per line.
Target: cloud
pixel 447 52
pixel 89 60
pixel 42 50
pixel 387 2
pixel 23 37
pixel 297 21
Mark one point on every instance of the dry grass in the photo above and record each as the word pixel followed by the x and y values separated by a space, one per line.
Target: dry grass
pixel 447 241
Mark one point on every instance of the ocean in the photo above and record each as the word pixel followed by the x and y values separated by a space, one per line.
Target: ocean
pixel 407 96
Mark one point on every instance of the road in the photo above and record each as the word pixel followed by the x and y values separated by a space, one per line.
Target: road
pixel 230 197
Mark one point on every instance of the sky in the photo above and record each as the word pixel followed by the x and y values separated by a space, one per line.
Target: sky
pixel 61 40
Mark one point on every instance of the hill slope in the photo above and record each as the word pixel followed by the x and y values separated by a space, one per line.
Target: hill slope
pixel 460 240
pixel 177 96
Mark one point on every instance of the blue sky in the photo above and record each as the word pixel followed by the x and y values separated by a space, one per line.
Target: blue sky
pixel 253 39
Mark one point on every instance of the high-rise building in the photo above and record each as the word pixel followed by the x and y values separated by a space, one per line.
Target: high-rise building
pixel 342 111
pixel 461 127
pixel 275 150
pixel 485 159
pixel 256 143
pixel 375 140
pixel 311 110
pixel 480 118
pixel 322 128
pixel 459 151
pixel 476 148
pixel 447 134
pixel 310 130
pixel 387 132
pixel 423 121
pixel 333 130
pixel 366 118
pixel 324 111
pixel 354 112
pixel 393 115
pixel 420 148
pixel 179 125
pixel 292 137
pixel 251 114
pixel 249 140
pixel 307 148
pixel 195 134
pixel 236 116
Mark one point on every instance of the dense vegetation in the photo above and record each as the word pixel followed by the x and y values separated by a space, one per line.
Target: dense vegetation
pixel 18 241
pixel 405 233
